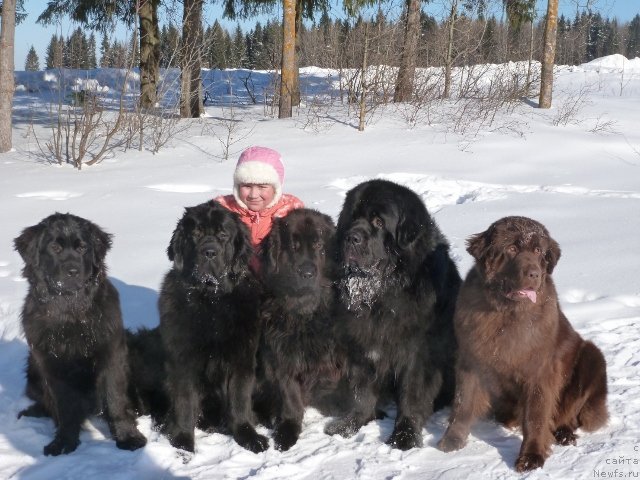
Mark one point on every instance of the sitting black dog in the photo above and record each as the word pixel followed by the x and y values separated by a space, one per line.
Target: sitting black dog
pixel 397 291
pixel 71 317
pixel 209 326
pixel 298 362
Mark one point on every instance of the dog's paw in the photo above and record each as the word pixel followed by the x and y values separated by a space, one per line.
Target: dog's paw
pixel 183 441
pixel 405 436
pixel 286 435
pixel 247 437
pixel 133 441
pixel 61 445
pixel 529 461
pixel 565 436
pixel 345 427
pixel 449 443
pixel 35 410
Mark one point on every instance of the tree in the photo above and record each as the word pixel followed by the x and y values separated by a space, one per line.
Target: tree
pixel 101 15
pixel 409 54
pixel 191 101
pixel 106 60
pixel 288 65
pixel 548 54
pixel 32 63
pixel 633 38
pixel 92 62
pixel 7 86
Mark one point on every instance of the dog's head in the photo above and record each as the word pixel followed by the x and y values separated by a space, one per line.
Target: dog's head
pixel 210 247
pixel 298 253
pixel 63 253
pixel 384 235
pixel 514 256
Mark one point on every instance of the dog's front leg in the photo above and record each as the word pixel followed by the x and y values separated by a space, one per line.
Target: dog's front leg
pixel 289 424
pixel 536 428
pixel 241 384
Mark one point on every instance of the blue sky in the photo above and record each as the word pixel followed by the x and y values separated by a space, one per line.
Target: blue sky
pixel 30 33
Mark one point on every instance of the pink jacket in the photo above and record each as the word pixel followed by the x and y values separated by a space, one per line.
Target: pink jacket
pixel 259 223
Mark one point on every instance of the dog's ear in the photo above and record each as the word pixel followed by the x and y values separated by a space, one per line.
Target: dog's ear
pixel 27 243
pixel 177 244
pixel 100 241
pixel 407 231
pixel 243 249
pixel 552 255
pixel 478 245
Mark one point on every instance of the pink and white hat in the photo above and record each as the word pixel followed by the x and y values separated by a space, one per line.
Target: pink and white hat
pixel 259 165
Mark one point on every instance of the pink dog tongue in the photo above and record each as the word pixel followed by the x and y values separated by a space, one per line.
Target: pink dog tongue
pixel 530 294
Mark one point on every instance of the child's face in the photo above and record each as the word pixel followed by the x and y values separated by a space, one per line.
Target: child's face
pixel 256 196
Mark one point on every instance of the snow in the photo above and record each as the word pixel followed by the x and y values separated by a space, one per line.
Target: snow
pixel 580 178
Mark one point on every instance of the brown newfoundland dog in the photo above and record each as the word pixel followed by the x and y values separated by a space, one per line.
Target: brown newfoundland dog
pixel 71 318
pixel 519 358
pixel 209 325
pixel 397 290
pixel 298 363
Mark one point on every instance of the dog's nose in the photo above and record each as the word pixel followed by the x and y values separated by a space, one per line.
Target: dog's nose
pixel 533 273
pixel 210 253
pixel 307 270
pixel 73 272
pixel 354 238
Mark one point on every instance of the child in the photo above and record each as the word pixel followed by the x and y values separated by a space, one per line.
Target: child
pixel 257 191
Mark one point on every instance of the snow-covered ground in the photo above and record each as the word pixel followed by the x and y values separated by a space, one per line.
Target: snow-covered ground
pixel 581 179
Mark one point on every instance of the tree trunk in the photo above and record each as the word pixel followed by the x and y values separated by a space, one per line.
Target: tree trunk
pixel 448 61
pixel 548 54
pixel 363 81
pixel 288 67
pixel 149 52
pixel 191 83
pixel 7 38
pixel 409 57
pixel 295 90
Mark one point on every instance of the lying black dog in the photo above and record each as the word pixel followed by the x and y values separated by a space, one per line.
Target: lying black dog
pixel 71 317
pixel 210 328
pixel 299 366
pixel 398 290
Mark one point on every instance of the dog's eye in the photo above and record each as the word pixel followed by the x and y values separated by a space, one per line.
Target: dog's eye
pixel 537 251
pixel 296 245
pixel 55 247
pixel 318 245
pixel 81 248
pixel 197 233
pixel 377 222
pixel 512 250
pixel 223 235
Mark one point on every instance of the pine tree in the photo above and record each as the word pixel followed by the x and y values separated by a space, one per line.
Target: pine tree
pixel 55 52
pixel 239 48
pixel 32 63
pixel 106 60
pixel 633 38
pixel 92 62
pixel 216 43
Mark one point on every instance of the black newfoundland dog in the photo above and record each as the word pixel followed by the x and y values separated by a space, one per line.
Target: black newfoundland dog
pixel 398 291
pixel 209 323
pixel 520 358
pixel 298 362
pixel 71 318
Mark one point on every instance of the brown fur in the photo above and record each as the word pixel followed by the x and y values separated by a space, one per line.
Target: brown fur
pixel 518 359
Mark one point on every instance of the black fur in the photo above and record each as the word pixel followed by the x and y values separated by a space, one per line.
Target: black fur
pixel 299 365
pixel 210 328
pixel 397 290
pixel 71 318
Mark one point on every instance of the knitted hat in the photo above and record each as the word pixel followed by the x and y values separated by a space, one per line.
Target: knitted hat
pixel 260 165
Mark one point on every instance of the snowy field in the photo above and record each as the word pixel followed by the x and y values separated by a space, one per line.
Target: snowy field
pixel 581 179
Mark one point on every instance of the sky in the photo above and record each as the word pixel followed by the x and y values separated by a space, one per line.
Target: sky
pixel 578 176
pixel 30 33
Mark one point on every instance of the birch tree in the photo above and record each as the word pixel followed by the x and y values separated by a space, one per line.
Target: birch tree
pixel 7 38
